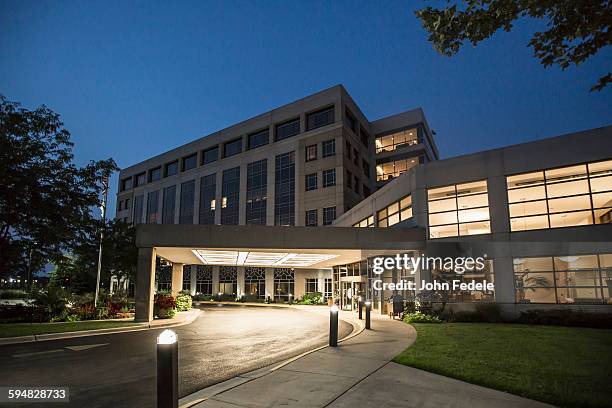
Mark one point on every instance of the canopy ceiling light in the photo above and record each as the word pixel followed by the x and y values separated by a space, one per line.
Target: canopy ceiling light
pixel 279 259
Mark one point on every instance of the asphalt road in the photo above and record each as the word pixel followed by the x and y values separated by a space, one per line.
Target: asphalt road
pixel 119 370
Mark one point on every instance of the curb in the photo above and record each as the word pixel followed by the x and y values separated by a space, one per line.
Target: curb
pixel 96 332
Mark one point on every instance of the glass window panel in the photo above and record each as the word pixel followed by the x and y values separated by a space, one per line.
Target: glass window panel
pixel 601 184
pixel 394 219
pixel 527 279
pixel 526 194
pixel 382 213
pixel 569 204
pixel 571 219
pixel 405 202
pixel 472 188
pixel 536 295
pixel 528 208
pixel 532 264
pixel 475 228
pixel 406 214
pixel 579 295
pixel 567 188
pixel 382 223
pixel 443 231
pixel 600 168
pixel 443 218
pixel 573 262
pixel 478 214
pixel 522 180
pixel 565 173
pixel 603 216
pixel 479 200
pixel 393 208
pixel 602 200
pixel 605 260
pixel 443 205
pixel 441 192
pixel 529 223
pixel 582 278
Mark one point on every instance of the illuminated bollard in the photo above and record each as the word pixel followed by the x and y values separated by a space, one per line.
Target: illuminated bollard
pixel 333 326
pixel 167 370
pixel 360 306
pixel 368 305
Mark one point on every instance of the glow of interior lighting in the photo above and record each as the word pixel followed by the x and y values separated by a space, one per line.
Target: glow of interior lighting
pixel 214 257
pixel 242 257
pixel 224 202
pixel 285 259
pixel 379 170
pixel 213 204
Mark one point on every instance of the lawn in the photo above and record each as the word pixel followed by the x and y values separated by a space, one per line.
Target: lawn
pixel 26 329
pixel 564 366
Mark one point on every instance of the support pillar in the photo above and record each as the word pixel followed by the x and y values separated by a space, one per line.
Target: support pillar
pixel 177 278
pixel 194 279
pixel 145 284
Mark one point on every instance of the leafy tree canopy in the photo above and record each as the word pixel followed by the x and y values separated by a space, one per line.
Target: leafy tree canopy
pixel 576 29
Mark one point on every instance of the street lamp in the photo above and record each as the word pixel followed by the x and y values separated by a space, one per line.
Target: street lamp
pixel 333 326
pixel 167 370
pixel 103 216
pixel 368 305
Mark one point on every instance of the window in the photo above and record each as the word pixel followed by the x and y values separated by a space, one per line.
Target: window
pixel 572 279
pixel 127 204
pixel 365 137
pixel 467 296
pixel 328 288
pixel 390 170
pixel 355 157
pixel 310 181
pixel 311 153
pixel 348 149
pixel 366 191
pixel 152 207
pixel 395 212
pixel 311 285
pixel 204 280
pixel 349 180
pixel 187 202
pixel 257 184
pixel 366 168
pixel 228 280
pixel 163 278
pixel 396 140
pixel 189 162
pixel 284 281
pixel 366 222
pixel 329 178
pixel 210 155
pixel 230 196
pixel 320 118
pixel 171 168
pixel 186 277
pixel 284 197
pixel 351 122
pixel 356 185
pixel 329 215
pixel 168 205
pixel 562 197
pixel 138 209
pixel 208 189
pixel 287 129
pixel 155 174
pixel 120 205
pixel 126 184
pixel 255 282
pixel 311 218
pixel 328 148
pixel 461 209
pixel 258 139
pixel 141 179
pixel 232 148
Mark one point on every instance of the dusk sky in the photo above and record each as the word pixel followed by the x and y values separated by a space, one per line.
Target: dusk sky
pixel 134 79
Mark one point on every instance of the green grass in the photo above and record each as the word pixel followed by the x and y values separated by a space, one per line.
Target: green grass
pixel 26 329
pixel 564 366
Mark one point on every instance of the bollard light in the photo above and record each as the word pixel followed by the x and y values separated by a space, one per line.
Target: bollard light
pixel 290 296
pixel 360 307
pixel 333 326
pixel 368 306
pixel 167 370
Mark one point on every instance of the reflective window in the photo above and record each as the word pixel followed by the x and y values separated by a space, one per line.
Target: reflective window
pixel 329 178
pixel 461 209
pixel 284 284
pixel 141 179
pixel 208 188
pixel 311 218
pixel 210 155
pixel 393 141
pixel 230 196
pixel 232 148
pixel 152 207
pixel 257 184
pixel 310 181
pixel 189 162
pixel 311 285
pixel 284 193
pixel 258 139
pixel 187 202
pixel 320 118
pixel 390 170
pixel 366 222
pixel 126 184
pixel 287 129
pixel 155 174
pixel 328 148
pixel 467 296
pixel 563 197
pixel 168 205
pixel 138 209
pixel 329 215
pixel 395 212
pixel 171 168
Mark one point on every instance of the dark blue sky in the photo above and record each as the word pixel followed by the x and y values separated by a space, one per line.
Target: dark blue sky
pixel 134 79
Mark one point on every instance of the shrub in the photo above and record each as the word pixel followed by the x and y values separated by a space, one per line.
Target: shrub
pixel 418 317
pixel 200 297
pixel 164 306
pixel 50 301
pixel 559 317
pixel 311 299
pixel 484 313
pixel 13 294
pixel 183 301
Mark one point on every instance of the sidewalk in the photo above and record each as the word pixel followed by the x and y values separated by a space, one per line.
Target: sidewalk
pixel 356 373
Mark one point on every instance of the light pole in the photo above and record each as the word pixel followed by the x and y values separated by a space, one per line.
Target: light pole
pixel 333 326
pixel 368 305
pixel 167 370
pixel 103 209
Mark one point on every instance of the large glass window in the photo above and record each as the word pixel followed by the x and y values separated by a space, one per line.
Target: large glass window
pixel 171 168
pixel 208 188
pixel 365 137
pixel 126 184
pixel 366 222
pixel 311 285
pixel 328 288
pixel 168 205
pixel 328 148
pixel 155 174
pixel 187 200
pixel 329 178
pixel 255 282
pixel 232 148
pixel 141 179
pixel 563 197
pixel 284 194
pixel 204 280
pixel 329 215
pixel 152 207
pixel 396 140
pixel 138 208
pixel 228 280
pixel 466 296
pixel 390 170
pixel 287 129
pixel 186 277
pixel 257 183
pixel 189 162
pixel 572 279
pixel 284 282
pixel 461 209
pixel 258 139
pixel 351 122
pixel 230 196
pixel 210 155
pixel 320 118
pixel 395 212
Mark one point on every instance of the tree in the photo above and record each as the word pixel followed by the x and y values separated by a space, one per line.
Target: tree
pixel 576 29
pixel 45 199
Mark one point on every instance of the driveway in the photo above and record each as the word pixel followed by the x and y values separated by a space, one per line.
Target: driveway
pixel 119 369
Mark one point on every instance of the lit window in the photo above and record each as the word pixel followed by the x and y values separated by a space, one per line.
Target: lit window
pixel 311 153
pixel 366 222
pixel 390 170
pixel 461 209
pixel 395 212
pixel 396 140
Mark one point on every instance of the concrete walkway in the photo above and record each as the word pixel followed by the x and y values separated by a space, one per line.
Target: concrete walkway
pixel 356 373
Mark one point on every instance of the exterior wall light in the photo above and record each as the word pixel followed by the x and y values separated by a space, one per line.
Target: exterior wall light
pixel 167 370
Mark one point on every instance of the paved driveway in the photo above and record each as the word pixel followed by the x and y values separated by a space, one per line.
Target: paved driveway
pixel 119 369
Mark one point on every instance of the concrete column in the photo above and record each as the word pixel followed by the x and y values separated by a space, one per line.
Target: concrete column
pixel 503 271
pixel 270 283
pixel 145 284
pixel 240 285
pixel 177 278
pixel 215 280
pixel 321 282
pixel 193 276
